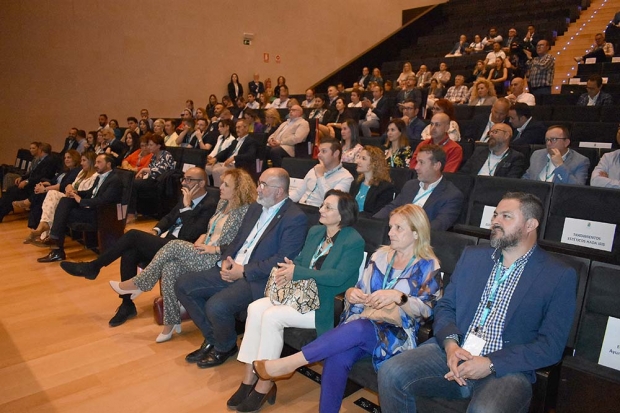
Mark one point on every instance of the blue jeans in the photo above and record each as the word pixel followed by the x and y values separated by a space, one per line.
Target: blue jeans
pixel 420 372
pixel 212 304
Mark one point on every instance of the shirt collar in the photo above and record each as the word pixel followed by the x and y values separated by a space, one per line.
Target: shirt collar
pixel 275 207
pixel 527 122
pixel 433 185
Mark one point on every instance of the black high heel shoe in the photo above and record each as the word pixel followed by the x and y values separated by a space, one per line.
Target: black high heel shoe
pixel 240 395
pixel 255 400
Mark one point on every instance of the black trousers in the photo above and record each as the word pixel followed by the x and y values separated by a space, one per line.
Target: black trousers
pixel 12 194
pixel 69 211
pixel 276 155
pixel 36 210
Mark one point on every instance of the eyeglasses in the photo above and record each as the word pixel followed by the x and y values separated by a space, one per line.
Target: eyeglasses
pixel 189 178
pixel 263 185
pixel 553 140
pixel 408 108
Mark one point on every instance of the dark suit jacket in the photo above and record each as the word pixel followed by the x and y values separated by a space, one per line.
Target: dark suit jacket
pixel 68 146
pixel 414 130
pixel 195 221
pixel 363 81
pixel 110 192
pixel 256 89
pixel 604 99
pixel 44 171
pixel 539 316
pixel 377 197
pixel 381 110
pixel 533 134
pixel 283 237
pixel 442 207
pixel 512 166
pixel 231 91
pixel 245 158
pixel 478 125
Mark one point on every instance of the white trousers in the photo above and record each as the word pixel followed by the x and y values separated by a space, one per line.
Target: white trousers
pixel 264 329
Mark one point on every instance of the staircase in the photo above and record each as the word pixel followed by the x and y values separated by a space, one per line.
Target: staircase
pixel 579 38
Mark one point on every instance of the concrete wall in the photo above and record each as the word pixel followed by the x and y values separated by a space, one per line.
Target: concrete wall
pixel 66 61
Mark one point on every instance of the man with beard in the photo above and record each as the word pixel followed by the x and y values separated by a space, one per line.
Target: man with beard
pixel 273 228
pixel 507 311
pixel 487 350
pixel 498 159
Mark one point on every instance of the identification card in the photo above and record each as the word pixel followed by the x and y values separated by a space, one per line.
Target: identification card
pixel 474 344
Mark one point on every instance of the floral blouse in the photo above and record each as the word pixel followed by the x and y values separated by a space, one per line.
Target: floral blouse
pixel 160 164
pixel 400 159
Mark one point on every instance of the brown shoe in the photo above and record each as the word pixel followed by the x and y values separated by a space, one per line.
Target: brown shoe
pixel 43 243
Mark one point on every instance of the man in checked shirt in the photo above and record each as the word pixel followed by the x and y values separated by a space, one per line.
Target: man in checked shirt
pixel 507 311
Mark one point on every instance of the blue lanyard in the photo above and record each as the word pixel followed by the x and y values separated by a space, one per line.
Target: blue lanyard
pixel 422 195
pixel 500 277
pixel 258 231
pixel 214 222
pixel 321 252
pixel 388 286
pixel 491 171
pixel 547 174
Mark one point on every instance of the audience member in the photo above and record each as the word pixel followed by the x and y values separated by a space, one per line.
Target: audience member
pixel 239 154
pixel 144 115
pixel 373 111
pixel 516 60
pixel 498 76
pixel 277 91
pixel 132 126
pixel 170 139
pixel 435 91
pixel 607 172
pixel 415 125
pixel 272 121
pixel 70 141
pixel 541 69
pixel 480 70
pixel 493 37
pixel 114 147
pixel 440 125
pixel 103 121
pixel 512 37
pixel 373 188
pixel 482 93
pixel 364 78
pixel 350 135
pixel 493 55
pixel 252 103
pixel 144 126
pixel 376 77
pixel 319 110
pixel 481 124
pixel 115 126
pixel 282 101
pixel 335 118
pixel 601 50
pixel 397 148
pixel 526 129
pixel 459 93
pixel 327 174
pixel 407 70
pixel 253 121
pixel 531 39
pixel 459 47
pixel 81 140
pixel 309 101
pixel 138 158
pixel 498 159
pixel 498 371
pixel 441 200
pixel 558 163
pixel 410 92
pixel 211 105
pixel 518 93
pixel 443 76
pixel 424 77
pixel 235 88
pixel 594 96
pixel 256 87
pixel 476 46
pixel 189 105
pixel 356 98
pixel 444 106
pixel 293 131
pixel 273 228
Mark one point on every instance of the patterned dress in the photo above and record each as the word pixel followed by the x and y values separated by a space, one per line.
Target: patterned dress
pixel 178 257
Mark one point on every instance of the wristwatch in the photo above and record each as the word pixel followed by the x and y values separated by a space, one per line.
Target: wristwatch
pixel 492 368
pixel 403 299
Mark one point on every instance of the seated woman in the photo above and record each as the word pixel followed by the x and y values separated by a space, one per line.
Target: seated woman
pixel 335 120
pixel 91 141
pixel 435 91
pixel 226 138
pixel 211 106
pixel 382 312
pixel 45 203
pixel 177 257
pixel 350 132
pixel 100 144
pixel 146 178
pixel 140 157
pixel 118 133
pixel 407 70
pixel 373 188
pixel 356 98
pixel 447 107
pixel 482 93
pixel 376 77
pixel 251 117
pixel 332 255
pixel 144 127
pixel 480 70
pixel 498 75
pixel 272 121
pixel 397 150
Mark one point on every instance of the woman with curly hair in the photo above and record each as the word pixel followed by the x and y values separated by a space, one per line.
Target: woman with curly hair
pixel 482 93
pixel 177 257
pixel 373 188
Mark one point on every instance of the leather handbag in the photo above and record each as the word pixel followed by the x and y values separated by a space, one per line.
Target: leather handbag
pixel 388 314
pixel 302 295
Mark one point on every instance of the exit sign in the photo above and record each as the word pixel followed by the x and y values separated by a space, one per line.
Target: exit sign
pixel 247 42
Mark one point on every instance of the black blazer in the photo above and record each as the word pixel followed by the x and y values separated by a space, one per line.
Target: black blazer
pixel 477 126
pixel 246 157
pixel 69 145
pixel 44 171
pixel 382 108
pixel 534 134
pixel 256 89
pixel 512 166
pixel 195 221
pixel 231 91
pixel 110 192
pixel 378 195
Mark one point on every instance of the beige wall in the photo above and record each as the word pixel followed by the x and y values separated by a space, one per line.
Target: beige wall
pixel 66 61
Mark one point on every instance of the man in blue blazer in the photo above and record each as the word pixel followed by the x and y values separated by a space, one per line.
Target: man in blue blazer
pixel 558 163
pixel 440 199
pixel 272 229
pixel 507 311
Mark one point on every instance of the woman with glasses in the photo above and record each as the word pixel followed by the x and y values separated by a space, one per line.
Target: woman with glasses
pixel 447 107
pixel 332 255
pixel 177 257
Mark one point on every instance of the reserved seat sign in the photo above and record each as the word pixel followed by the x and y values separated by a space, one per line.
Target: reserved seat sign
pixel 590 234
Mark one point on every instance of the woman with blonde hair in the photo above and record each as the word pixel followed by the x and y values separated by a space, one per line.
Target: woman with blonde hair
pixel 373 188
pixel 177 257
pixel 272 121
pixel 382 312
pixel 407 70
pixel 482 93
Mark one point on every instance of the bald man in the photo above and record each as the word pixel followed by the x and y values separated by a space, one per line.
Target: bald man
pixel 440 124
pixel 481 124
pixel 518 93
pixel 497 159
pixel 282 143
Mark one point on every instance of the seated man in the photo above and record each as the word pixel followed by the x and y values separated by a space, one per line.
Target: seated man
pixel 607 172
pixel 424 77
pixel 440 124
pixel 440 199
pixel 186 221
pixel 493 55
pixel 71 141
pixel 240 154
pixel 601 50
pixel 506 312
pixel 459 47
pixel 364 78
pixel 594 96
pixel 512 37
pixel 415 125
pixel 492 38
pixel 482 124
pixel 374 111
pixel 558 163
pixel 282 101
pixel 327 174
pixel 526 130
pixel 518 94
pixel 281 144
pixel 81 206
pixel 498 159
pixel 410 92
pixel 459 93
pixel 442 75
pixel 273 228
pixel 43 167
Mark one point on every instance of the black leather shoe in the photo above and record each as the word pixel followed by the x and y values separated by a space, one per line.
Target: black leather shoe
pixel 215 358
pixel 255 401
pixel 124 312
pixel 197 355
pixel 53 256
pixel 80 269
pixel 240 395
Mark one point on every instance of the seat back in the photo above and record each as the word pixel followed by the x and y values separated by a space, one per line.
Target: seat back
pixel 177 154
pixel 193 157
pixel 374 232
pixel 465 184
pixel 298 168
pixel 400 176
pixel 448 247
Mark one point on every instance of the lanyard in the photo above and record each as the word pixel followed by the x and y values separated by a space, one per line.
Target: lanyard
pixel 258 231
pixel 492 170
pixel 500 277
pixel 388 286
pixel 422 195
pixel 215 220
pixel 547 174
pixel 320 251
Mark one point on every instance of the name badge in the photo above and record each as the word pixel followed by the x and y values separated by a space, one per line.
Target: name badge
pixel 474 344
